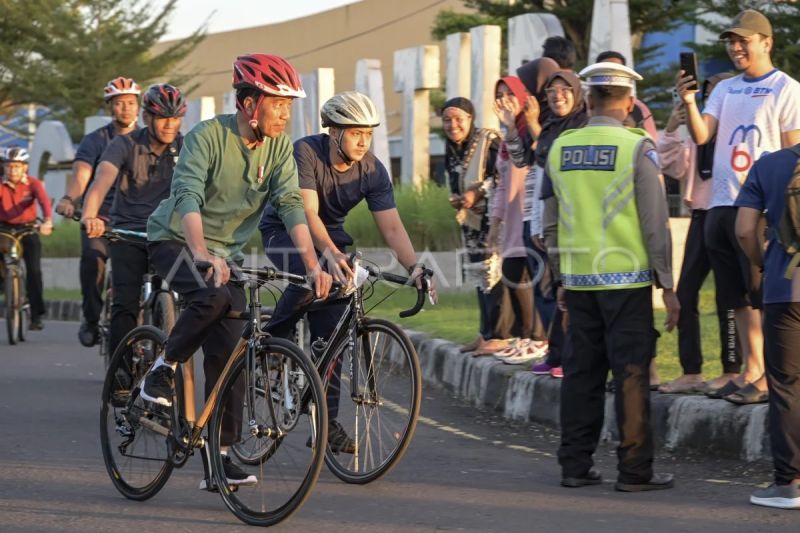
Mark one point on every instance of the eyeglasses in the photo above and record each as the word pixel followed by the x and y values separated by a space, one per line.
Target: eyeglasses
pixel 553 91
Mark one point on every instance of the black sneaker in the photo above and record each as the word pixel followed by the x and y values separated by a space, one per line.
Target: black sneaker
pixel 234 475
pixel 158 385
pixel 36 324
pixel 338 440
pixel 88 334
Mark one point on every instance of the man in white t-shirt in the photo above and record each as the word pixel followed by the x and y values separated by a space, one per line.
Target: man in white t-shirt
pixel 751 114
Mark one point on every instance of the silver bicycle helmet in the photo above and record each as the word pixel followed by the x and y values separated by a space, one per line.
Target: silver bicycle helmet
pixel 16 154
pixel 350 109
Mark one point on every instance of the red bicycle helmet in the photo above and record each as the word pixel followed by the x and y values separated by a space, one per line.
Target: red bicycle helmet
pixel 164 100
pixel 269 74
pixel 119 86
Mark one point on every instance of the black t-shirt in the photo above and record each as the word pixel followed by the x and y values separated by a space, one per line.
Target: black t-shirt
pixel 339 192
pixel 144 177
pixel 90 151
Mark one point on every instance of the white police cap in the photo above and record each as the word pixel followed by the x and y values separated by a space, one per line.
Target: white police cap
pixel 607 73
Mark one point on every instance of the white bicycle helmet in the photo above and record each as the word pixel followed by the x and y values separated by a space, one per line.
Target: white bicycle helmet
pixel 16 154
pixel 350 109
pixel 119 86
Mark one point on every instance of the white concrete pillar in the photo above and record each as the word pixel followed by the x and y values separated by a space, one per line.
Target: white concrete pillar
pixel 369 81
pixel 416 71
pixel 484 71
pixel 229 103
pixel 319 86
pixel 197 110
pixel 526 35
pixel 611 29
pixel 458 65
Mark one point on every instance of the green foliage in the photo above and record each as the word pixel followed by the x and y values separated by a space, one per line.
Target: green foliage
pixel 785 19
pixel 65 241
pixel 426 215
pixel 59 54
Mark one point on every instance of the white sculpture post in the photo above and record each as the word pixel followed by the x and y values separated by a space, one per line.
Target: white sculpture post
pixel 458 65
pixel 526 35
pixel 319 87
pixel 369 81
pixel 229 103
pixel 416 71
pixel 611 29
pixel 485 71
pixel 197 110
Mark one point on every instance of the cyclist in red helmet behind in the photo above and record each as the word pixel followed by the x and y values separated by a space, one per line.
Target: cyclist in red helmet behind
pixel 122 98
pixel 139 167
pixel 230 167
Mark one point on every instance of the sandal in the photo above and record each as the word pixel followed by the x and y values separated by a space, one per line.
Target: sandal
pixel 530 352
pixel 492 346
pixel 749 394
pixel 727 389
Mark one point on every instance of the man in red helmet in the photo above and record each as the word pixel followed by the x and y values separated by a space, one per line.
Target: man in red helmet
pixel 139 168
pixel 230 167
pixel 122 98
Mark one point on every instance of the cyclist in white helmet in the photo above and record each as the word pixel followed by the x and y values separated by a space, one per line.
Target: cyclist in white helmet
pixel 122 98
pixel 336 171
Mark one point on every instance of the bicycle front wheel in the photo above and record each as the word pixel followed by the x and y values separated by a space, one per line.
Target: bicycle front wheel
pixel 379 410
pixel 11 286
pixel 133 432
pixel 278 427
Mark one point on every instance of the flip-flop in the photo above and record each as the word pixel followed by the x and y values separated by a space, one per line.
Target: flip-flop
pixel 747 395
pixel 729 388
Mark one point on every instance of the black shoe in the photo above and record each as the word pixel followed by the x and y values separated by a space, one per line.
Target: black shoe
pixel 234 475
pixel 36 324
pixel 158 385
pixel 88 334
pixel 592 477
pixel 657 482
pixel 338 440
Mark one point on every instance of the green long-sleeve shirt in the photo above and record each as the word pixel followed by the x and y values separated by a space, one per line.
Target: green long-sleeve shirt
pixel 229 185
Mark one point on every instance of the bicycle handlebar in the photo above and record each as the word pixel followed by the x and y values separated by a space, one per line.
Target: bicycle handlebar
pixel 403 280
pixel 263 274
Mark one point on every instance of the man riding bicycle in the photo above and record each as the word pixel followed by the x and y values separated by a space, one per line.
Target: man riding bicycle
pixel 230 167
pixel 336 172
pixel 122 98
pixel 19 194
pixel 139 168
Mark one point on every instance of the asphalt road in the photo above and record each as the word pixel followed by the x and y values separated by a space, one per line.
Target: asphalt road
pixel 465 471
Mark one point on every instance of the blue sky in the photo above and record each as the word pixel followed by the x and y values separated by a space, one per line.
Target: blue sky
pixel 235 14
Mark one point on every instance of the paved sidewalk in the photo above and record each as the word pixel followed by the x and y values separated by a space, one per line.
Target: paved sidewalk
pixel 713 427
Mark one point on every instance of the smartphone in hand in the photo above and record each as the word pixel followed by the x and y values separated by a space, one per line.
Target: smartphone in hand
pixel 689 67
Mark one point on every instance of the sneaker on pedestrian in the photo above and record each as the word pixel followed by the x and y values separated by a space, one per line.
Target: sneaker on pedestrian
pixel 557 372
pixel 234 475
pixel 541 369
pixel 88 334
pixel 158 385
pixel 338 439
pixel 778 496
pixel 36 324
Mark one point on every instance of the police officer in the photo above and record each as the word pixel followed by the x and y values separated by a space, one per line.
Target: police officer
pixel 606 215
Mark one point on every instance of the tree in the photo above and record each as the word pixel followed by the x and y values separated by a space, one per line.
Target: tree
pixel 60 53
pixel 785 19
pixel 645 16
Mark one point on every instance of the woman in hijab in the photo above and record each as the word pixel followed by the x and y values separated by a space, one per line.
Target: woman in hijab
pixel 505 231
pixel 470 155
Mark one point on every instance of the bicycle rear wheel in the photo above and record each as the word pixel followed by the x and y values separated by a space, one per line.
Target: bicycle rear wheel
pixel 11 288
pixel 133 432
pixel 381 416
pixel 164 312
pixel 282 439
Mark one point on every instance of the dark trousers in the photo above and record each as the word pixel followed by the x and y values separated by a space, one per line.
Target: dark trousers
pixel 131 263
pixel 32 256
pixel 517 279
pixel 201 323
pixel 558 342
pixel 610 329
pixel 782 359
pixel 494 324
pixel 695 269
pixel 294 302
pixel 544 301
pixel 94 253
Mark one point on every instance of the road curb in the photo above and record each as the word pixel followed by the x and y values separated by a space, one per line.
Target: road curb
pixel 680 422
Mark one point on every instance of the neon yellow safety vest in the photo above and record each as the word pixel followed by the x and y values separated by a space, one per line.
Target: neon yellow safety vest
pixel 599 235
